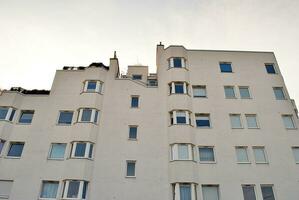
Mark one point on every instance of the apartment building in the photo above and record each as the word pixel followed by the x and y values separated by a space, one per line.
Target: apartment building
pixel 209 125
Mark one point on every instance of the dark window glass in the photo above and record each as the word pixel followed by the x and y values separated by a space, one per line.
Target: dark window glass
pixel 80 150
pixel 130 168
pixel 96 117
pixel 86 115
pixel 202 121
pixel 179 88
pixel 2 142
pixel 90 151
pixel 270 69
pixel 15 149
pixel 91 85
pixel 267 192
pixel 226 67
pixel 3 113
pixel 177 62
pixel 134 102
pixel 26 117
pixel 73 189
pixel 136 77
pixel 133 132
pixel 12 114
pixel 248 192
pixel 185 192
pixel 84 189
pixel 65 117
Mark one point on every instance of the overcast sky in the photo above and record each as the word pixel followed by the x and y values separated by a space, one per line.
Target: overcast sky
pixel 38 37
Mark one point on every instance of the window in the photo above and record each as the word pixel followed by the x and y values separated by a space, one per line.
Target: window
pixel 177 62
pixel 7 113
pixel 270 68
pixel 180 117
pixel 248 192
pixel 49 189
pixel 226 67
pixel 5 188
pixel 131 165
pixel 244 92
pixel 235 120
pixel 178 88
pixel 15 149
pixel 82 150
pixel 133 132
pixel 93 86
pixel 134 102
pixel 2 142
pixel 267 192
pixel 202 120
pixel 251 121
pixel 136 77
pixel 199 91
pixel 259 154
pixel 75 189
pixel 229 92
pixel 57 151
pixel 288 121
pixel 88 115
pixel 184 191
pixel 182 152
pixel 65 117
pixel 242 155
pixel 206 154
pixel 279 94
pixel 210 192
pixel 296 154
pixel 26 116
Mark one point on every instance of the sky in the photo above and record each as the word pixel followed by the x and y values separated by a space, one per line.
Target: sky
pixel 37 37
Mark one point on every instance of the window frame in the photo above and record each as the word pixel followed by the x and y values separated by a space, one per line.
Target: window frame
pixel 50 151
pixel 200 87
pixel 256 120
pixel 10 115
pixel 265 155
pixel 41 189
pixel 198 115
pixel 127 164
pixel 3 142
pixel 176 189
pixel 173 117
pixel 249 185
pixel 274 68
pixel 210 185
pixel 133 126
pixel 137 75
pixel 171 63
pixel 9 148
pixel 21 114
pixel 241 121
pixel 89 147
pixel 65 111
pixel 291 117
pixel 294 155
pixel 247 154
pixel 214 154
pixel 267 185
pixel 282 91
pixel 94 118
pixel 98 89
pixel 226 63
pixel 233 89
pixel 172 87
pixel 249 92
pixel 174 152
pixel 80 189
pixel 138 101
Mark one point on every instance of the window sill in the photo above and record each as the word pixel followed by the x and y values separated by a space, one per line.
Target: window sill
pixel 238 128
pixel 202 97
pixel 130 176
pixel 243 162
pixel 134 107
pixel 19 123
pixel 180 125
pixel 64 124
pixel 185 68
pixel 86 123
pixel 258 163
pixel 12 157
pixel 291 129
pixel 80 158
pixel 231 98
pixel 4 120
pixel 132 139
pixel 183 161
pixel 56 159
pixel 91 92
pixel 207 162
pixel 254 128
pixel 246 98
pixel 199 127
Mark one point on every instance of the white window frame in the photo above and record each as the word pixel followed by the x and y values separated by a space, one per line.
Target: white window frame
pixel 176 192
pixel 63 124
pixel 256 119
pixel 211 185
pixel 249 92
pixel 199 115
pixel 80 191
pixel 268 185
pixel 127 162
pixel 9 112
pixel 173 115
pixel 98 89
pixel 183 61
pixel 41 189
pixel 185 87
pixel 249 185
pixel 283 92
pixel 234 90
pixel 241 121
pixel 92 117
pixel 51 147
pixel 292 120
pixel 202 87
pixel 9 146
pixel 214 154
pixel 265 154
pixel 236 152
pixel 175 152
pixel 3 147
pixel 86 153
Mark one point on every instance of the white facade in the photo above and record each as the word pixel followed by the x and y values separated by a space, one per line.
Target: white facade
pixel 199 133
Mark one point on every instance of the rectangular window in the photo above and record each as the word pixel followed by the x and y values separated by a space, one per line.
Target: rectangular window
pixel 229 92
pixel 259 154
pixel 131 168
pixel 185 192
pixel 270 68
pixel 86 115
pixel 279 94
pixel 132 132
pixel 15 149
pixel 181 117
pixel 202 120
pixel 183 153
pixel 136 77
pixel 210 192
pixel 5 189
pixel 242 155
pixel 134 101
pixel 7 113
pixel 248 192
pixel 75 189
pixel 267 192
pixel 65 117
pixel 296 154
pixel 179 88
pixel 3 113
pixel 251 121
pixel 244 92
pixel 199 91
pixel 49 189
pixel 57 151
pixel 82 150
pixel 2 142
pixel 206 154
pixel 235 120
pixel 93 86
pixel 26 116
pixel 226 67
pixel 288 121
pixel 177 63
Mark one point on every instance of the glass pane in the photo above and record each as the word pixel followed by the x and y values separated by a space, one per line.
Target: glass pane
pixel 58 151
pixel 279 94
pixel 242 154
pixel 199 91
pixel 244 93
pixel 26 117
pixel 185 192
pixel 80 150
pixel 15 150
pixel 259 154
pixel 2 142
pixel 270 69
pixel 235 121
pixel 229 92
pixel 295 151
pixel 288 122
pixel 177 62
pixel 225 67
pixel 202 121
pixel 96 116
pixel 90 151
pixel 65 117
pixel 206 154
pixel 12 114
pixel 134 102
pixel 3 113
pixel 210 193
pixel 91 86
pixel 49 190
pixel 248 193
pixel 179 88
pixel 73 189
pixel 251 121
pixel 86 115
pixel 130 168
pixel 133 133
pixel 183 152
pixel 181 117
pixel 84 189
pixel 136 77
pixel 267 192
